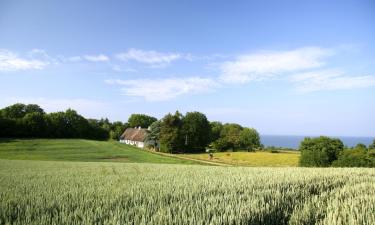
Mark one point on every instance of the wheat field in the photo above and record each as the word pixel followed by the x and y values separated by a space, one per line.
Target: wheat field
pixel 35 192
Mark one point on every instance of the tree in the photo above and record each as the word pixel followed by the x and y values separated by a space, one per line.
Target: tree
pixel 249 139
pixel 117 129
pixel 196 132
pixel 15 111
pixel 33 108
pixel 19 110
pixel 153 135
pixel 170 133
pixel 216 128
pixel 8 128
pixel 356 157
pixel 229 137
pixel 34 124
pixel 320 151
pixel 70 124
pixel 372 145
pixel 362 146
pixel 140 120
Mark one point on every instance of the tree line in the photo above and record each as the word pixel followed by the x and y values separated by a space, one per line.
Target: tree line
pixel 193 132
pixel 324 152
pixel 31 121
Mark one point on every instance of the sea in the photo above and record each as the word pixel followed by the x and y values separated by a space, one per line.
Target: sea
pixel 291 141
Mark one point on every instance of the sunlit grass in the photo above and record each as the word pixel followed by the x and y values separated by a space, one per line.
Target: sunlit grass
pixel 79 150
pixel 259 158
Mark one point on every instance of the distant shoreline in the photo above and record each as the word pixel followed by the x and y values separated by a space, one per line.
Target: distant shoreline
pixel 293 141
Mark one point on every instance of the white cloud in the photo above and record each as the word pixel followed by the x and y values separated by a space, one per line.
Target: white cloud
pixel 10 61
pixel 164 89
pixel 96 58
pixel 324 80
pixel 148 57
pixel 264 65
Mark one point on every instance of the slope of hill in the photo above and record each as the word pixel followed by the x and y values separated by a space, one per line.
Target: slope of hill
pixel 79 150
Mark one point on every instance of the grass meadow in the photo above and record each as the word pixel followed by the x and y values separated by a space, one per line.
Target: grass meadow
pixel 79 150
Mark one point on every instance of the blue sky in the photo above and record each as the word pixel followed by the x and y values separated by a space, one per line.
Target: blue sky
pixel 282 67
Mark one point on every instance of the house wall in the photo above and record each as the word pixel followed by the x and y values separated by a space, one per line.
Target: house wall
pixel 139 144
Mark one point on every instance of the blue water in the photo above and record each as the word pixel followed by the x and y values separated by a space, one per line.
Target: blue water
pixel 288 141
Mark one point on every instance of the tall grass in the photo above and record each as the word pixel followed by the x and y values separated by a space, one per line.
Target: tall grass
pixel 34 192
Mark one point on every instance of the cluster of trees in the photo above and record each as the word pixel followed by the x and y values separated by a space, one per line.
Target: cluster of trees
pixel 175 132
pixel 30 121
pixel 193 133
pixel 324 151
pixel 117 128
pixel 233 136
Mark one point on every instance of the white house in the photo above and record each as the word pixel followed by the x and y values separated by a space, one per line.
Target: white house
pixel 134 136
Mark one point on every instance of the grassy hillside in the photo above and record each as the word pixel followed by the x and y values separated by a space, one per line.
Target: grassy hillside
pixel 259 158
pixel 35 192
pixel 79 150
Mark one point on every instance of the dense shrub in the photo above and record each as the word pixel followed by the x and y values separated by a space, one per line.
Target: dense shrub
pixel 235 137
pixel 320 151
pixel 357 157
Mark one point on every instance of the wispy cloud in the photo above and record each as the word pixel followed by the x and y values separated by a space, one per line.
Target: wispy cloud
pixel 119 68
pixel 149 57
pixel 10 61
pixel 326 80
pixel 264 65
pixel 96 58
pixel 74 59
pixel 164 89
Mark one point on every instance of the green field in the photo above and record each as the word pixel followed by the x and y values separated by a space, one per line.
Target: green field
pixel 259 158
pixel 40 192
pixel 79 150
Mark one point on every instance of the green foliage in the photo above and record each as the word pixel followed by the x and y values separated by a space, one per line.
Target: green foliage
pixel 372 145
pixel 196 130
pixel 153 135
pixel 44 193
pixel 30 121
pixel 216 128
pixel 8 127
pixel 320 151
pixel 175 133
pixel 170 133
pixel 357 157
pixel 140 120
pixel 249 139
pixel 116 129
pixel 34 124
pixel 18 110
pixel 235 137
pixel 361 146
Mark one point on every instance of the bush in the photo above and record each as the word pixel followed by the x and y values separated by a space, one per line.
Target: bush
pixel 320 152
pixel 357 157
